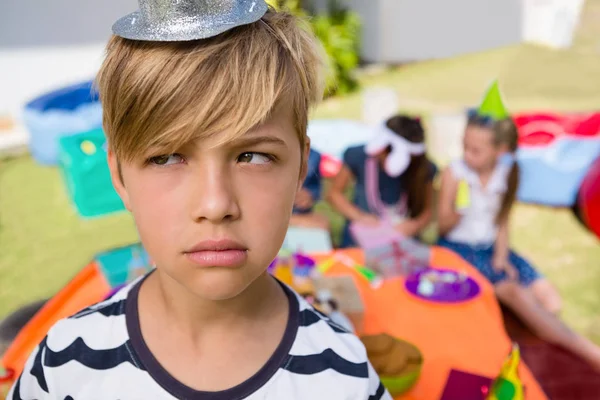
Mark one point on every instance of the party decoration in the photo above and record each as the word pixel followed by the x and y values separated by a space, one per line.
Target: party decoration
pixel 371 276
pixel 181 20
pixel 508 385
pixel 492 105
pixel 399 258
pixel 589 198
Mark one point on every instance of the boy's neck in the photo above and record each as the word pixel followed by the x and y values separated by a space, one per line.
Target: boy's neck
pixel 196 340
pixel 195 315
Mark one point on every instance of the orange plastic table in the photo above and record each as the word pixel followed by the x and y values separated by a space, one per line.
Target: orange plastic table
pixel 467 336
pixel 87 288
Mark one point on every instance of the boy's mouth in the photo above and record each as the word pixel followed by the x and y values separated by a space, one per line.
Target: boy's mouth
pixel 218 253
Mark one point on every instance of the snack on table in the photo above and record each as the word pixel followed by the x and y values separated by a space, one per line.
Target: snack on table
pixel 391 357
pixel 448 277
pixel 376 344
pixel 426 288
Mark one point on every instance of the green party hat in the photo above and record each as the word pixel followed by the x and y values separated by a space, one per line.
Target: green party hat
pixel 492 104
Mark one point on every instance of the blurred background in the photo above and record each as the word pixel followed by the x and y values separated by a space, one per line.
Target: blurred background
pixel 433 58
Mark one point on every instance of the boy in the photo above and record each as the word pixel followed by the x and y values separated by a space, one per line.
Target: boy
pixel 207 149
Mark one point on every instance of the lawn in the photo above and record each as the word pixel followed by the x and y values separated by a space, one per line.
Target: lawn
pixel 43 243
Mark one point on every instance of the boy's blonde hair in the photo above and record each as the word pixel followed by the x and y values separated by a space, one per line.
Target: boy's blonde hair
pixel 159 96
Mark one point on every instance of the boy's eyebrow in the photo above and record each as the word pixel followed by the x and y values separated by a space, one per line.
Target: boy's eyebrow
pixel 256 140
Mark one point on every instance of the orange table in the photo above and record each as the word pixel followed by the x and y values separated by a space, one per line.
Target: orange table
pixel 467 336
pixel 87 288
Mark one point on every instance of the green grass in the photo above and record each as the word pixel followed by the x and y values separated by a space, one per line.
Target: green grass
pixel 43 243
pixel 532 77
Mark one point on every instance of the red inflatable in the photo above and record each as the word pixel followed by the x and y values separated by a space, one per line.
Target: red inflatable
pixel 589 198
pixel 541 129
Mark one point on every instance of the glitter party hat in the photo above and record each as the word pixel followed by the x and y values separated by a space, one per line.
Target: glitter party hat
pixel 180 20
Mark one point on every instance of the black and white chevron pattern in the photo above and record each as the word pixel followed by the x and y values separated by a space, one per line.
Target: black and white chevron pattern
pixel 91 356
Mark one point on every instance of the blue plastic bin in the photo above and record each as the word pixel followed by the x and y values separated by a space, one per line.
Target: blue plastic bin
pixel 552 175
pixel 63 112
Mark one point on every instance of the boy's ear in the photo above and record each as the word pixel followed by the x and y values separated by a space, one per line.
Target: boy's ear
pixel 117 178
pixel 304 165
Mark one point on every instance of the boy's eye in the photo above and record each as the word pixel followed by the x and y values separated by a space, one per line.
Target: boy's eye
pixel 166 159
pixel 254 158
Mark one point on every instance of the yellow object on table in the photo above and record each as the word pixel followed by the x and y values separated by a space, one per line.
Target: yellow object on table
pixel 463 195
pixel 508 385
pixel 284 270
pixel 284 274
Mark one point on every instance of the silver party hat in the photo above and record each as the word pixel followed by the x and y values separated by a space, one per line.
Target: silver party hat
pixel 179 20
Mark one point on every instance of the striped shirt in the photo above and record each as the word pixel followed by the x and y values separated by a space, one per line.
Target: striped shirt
pixel 100 353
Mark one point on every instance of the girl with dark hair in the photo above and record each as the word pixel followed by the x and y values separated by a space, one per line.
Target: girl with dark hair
pixel 393 180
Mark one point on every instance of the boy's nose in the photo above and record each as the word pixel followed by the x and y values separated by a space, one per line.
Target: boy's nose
pixel 214 197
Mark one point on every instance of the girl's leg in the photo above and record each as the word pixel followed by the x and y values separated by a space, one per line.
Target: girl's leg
pixel 541 288
pixel 547 295
pixel 545 324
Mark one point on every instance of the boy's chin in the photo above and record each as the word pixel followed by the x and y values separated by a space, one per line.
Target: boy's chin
pixel 219 285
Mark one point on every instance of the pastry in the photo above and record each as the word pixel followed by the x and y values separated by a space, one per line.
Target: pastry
pixel 377 344
pixel 397 360
pixel 391 357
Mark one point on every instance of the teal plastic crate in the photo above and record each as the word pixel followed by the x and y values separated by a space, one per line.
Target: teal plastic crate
pixel 83 163
pixel 124 264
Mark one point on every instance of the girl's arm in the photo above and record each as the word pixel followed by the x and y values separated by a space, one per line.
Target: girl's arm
pixel 500 260
pixel 502 245
pixel 338 200
pixel 447 215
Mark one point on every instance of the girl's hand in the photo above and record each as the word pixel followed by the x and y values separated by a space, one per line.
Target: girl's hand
pixel 501 263
pixel 368 220
pixel 408 228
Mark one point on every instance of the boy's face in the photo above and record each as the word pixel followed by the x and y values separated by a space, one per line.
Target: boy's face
pixel 212 217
